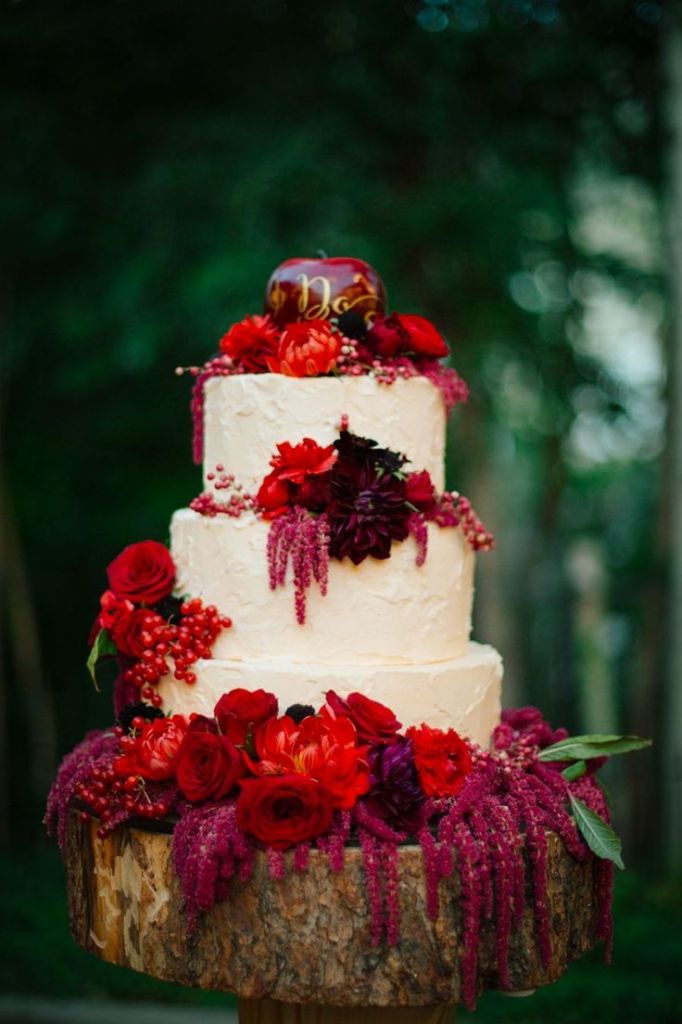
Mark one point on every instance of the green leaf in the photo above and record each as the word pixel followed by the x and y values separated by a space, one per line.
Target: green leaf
pixel 576 748
pixel 575 771
pixel 103 647
pixel 599 836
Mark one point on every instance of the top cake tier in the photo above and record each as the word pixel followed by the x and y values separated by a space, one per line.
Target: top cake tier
pixel 247 415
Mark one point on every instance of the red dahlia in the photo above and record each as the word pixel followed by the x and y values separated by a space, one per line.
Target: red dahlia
pixel 368 511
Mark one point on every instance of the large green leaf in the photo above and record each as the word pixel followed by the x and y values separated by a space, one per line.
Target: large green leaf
pixel 599 836
pixel 577 748
pixel 103 647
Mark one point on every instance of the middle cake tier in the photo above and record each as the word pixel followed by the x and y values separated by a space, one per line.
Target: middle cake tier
pixel 388 611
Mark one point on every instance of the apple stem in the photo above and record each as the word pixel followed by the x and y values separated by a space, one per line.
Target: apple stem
pixel 322 254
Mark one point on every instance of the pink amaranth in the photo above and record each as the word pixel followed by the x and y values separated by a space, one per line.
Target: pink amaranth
pixel 300 540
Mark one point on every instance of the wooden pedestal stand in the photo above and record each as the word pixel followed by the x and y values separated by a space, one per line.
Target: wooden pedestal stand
pixel 297 951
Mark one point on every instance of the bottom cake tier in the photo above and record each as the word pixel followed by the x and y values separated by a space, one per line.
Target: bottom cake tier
pixel 460 693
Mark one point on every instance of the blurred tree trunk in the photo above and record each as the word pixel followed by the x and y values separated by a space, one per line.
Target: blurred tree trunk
pixel 28 684
pixel 672 710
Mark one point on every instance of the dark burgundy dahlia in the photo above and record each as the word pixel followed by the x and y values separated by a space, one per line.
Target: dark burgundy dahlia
pixel 395 795
pixel 367 512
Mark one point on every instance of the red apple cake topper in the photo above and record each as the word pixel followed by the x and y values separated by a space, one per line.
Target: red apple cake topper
pixel 324 287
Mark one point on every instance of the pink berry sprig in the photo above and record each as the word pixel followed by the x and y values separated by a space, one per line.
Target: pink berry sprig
pixel 238 501
pixel 183 643
pixel 456 510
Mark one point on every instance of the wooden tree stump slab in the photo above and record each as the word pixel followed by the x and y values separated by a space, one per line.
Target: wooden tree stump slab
pixel 305 939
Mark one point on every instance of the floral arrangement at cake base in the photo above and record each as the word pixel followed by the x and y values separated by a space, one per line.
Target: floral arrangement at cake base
pixel 249 780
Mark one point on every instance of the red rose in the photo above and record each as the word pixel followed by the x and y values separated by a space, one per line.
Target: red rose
pixel 323 748
pixel 419 490
pixel 152 754
pixel 207 766
pixel 374 722
pixel 442 759
pixel 128 633
pixel 114 610
pixel 402 333
pixel 251 342
pixel 306 349
pixel 144 573
pixel 423 338
pixel 239 711
pixel 283 810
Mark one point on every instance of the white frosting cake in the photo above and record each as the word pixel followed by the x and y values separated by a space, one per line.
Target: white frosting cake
pixel 394 631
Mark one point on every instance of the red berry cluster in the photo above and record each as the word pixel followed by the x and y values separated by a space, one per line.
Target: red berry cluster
pixel 112 799
pixel 184 643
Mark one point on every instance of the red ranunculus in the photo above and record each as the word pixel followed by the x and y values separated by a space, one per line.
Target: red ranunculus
pixel 283 810
pixel 307 349
pixel 419 491
pixel 374 722
pixel 442 759
pixel 251 342
pixel 144 572
pixel 404 333
pixel 127 634
pixel 386 338
pixel 114 610
pixel 152 754
pixel 323 748
pixel 274 495
pixel 240 710
pixel 207 766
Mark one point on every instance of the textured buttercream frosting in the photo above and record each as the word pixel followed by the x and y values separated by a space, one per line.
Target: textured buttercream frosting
pixel 247 415
pixel 460 693
pixel 386 611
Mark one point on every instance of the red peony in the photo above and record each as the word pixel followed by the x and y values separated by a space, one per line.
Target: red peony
pixel 420 492
pixel 374 722
pixel 403 333
pixel 297 477
pixel 240 710
pixel 128 634
pixel 114 610
pixel 143 573
pixel 283 810
pixel 423 338
pixel 298 462
pixel 323 748
pixel 251 342
pixel 306 349
pixel 152 754
pixel 442 760
pixel 207 766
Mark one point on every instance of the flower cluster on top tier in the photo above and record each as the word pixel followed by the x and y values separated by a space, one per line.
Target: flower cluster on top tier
pixel 248 778
pixel 145 628
pixel 400 345
pixel 350 499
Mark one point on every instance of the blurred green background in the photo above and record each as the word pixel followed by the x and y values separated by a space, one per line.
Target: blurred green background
pixel 513 168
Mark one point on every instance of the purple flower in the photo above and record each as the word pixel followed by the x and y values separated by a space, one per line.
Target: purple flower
pixel 395 795
pixel 368 511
